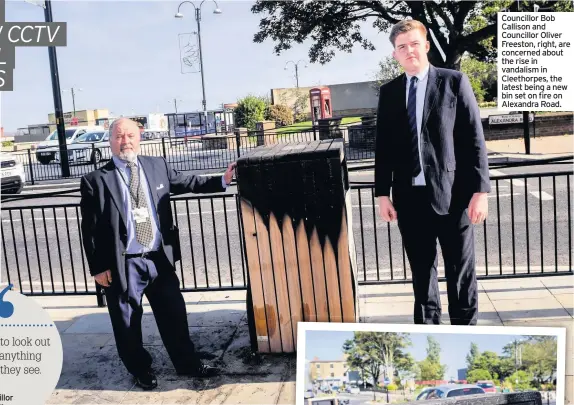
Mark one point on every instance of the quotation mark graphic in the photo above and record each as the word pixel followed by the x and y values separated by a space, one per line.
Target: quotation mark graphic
pixel 6 308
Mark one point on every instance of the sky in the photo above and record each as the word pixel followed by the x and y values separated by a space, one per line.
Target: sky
pixel 125 56
pixel 327 345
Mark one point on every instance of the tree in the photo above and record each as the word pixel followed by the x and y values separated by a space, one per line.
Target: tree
pixel 387 70
pixel 430 368
pixel 521 380
pixel 472 355
pixel 539 355
pixel 459 27
pixel 477 375
pixel 249 111
pixel 281 114
pixel 483 78
pixel 356 358
pixel 377 351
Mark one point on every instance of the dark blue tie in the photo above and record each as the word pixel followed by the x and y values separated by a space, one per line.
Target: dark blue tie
pixel 412 115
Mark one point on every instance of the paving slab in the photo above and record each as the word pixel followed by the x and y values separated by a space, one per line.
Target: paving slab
pixel 530 309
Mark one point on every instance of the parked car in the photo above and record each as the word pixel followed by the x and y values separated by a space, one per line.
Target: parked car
pixel 47 149
pixel 450 390
pixel 93 146
pixel 13 175
pixel 354 390
pixel 487 385
pixel 309 394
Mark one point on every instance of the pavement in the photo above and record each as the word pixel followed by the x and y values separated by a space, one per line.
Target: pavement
pixel 93 374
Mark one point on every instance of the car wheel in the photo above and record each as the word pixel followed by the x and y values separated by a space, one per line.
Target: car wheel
pixel 96 156
pixel 44 160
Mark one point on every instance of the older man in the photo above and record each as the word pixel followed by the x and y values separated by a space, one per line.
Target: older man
pixel 132 245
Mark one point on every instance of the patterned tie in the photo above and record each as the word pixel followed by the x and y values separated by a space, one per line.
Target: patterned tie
pixel 412 114
pixel 144 234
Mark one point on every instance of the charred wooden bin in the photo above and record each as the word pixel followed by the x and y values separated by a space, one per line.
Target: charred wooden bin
pixel 296 217
pixel 515 398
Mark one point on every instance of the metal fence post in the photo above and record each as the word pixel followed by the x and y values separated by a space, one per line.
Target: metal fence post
pixel 238 142
pixel 30 166
pixel 93 156
pixel 314 133
pixel 163 147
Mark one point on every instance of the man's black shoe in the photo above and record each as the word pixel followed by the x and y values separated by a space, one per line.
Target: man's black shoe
pixel 201 371
pixel 146 381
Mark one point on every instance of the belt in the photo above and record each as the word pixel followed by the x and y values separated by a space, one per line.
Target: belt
pixel 143 255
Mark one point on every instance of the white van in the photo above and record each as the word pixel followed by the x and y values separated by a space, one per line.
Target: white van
pixel 46 150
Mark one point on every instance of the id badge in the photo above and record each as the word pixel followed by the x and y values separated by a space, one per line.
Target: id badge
pixel 140 215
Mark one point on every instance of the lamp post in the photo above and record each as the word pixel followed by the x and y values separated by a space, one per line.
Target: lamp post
pixel 56 93
pixel 198 20
pixel 73 92
pixel 296 64
pixel 174 101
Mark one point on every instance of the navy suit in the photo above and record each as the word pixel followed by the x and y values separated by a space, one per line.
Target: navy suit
pixel 455 166
pixel 104 233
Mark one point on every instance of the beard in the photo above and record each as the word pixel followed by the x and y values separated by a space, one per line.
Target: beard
pixel 128 155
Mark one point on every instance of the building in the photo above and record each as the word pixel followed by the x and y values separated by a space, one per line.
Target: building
pixel 328 373
pixel 348 99
pixel 81 118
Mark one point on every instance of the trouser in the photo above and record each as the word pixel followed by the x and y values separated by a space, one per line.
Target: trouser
pixel 420 226
pixel 145 276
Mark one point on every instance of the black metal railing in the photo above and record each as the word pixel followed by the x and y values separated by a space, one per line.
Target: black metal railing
pixel 209 152
pixel 528 233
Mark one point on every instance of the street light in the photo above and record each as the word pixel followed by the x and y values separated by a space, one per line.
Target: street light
pixel 198 20
pixel 174 101
pixel 296 69
pixel 73 92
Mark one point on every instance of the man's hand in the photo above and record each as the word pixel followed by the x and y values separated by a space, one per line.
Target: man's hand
pixel 104 279
pixel 228 176
pixel 386 209
pixel 478 208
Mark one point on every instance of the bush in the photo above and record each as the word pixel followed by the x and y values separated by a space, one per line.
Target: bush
pixel 300 117
pixel 7 143
pixel 249 111
pixel 392 387
pixel 281 114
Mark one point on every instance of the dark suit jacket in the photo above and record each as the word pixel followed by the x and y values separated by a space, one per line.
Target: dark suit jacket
pixel 104 228
pixel 454 157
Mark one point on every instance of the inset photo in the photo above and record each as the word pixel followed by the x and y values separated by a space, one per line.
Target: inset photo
pixel 356 364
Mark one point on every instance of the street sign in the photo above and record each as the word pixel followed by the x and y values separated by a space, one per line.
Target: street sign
pixel 508 119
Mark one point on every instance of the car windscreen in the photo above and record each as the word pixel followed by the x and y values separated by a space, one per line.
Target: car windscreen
pixel 464 391
pixel 90 137
pixel 485 385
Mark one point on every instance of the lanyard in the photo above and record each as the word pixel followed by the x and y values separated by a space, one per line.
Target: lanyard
pixel 134 197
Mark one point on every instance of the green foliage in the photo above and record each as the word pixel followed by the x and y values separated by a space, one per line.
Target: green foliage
pixel 7 143
pixel 281 114
pixel 392 387
pixel 430 368
pixel 521 380
pixel 427 370
pixel 249 111
pixel 372 352
pixel 330 26
pixel 477 375
pixel 387 70
pixel 483 78
pixel 472 355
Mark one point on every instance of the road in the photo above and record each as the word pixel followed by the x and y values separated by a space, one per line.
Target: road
pixel 211 243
